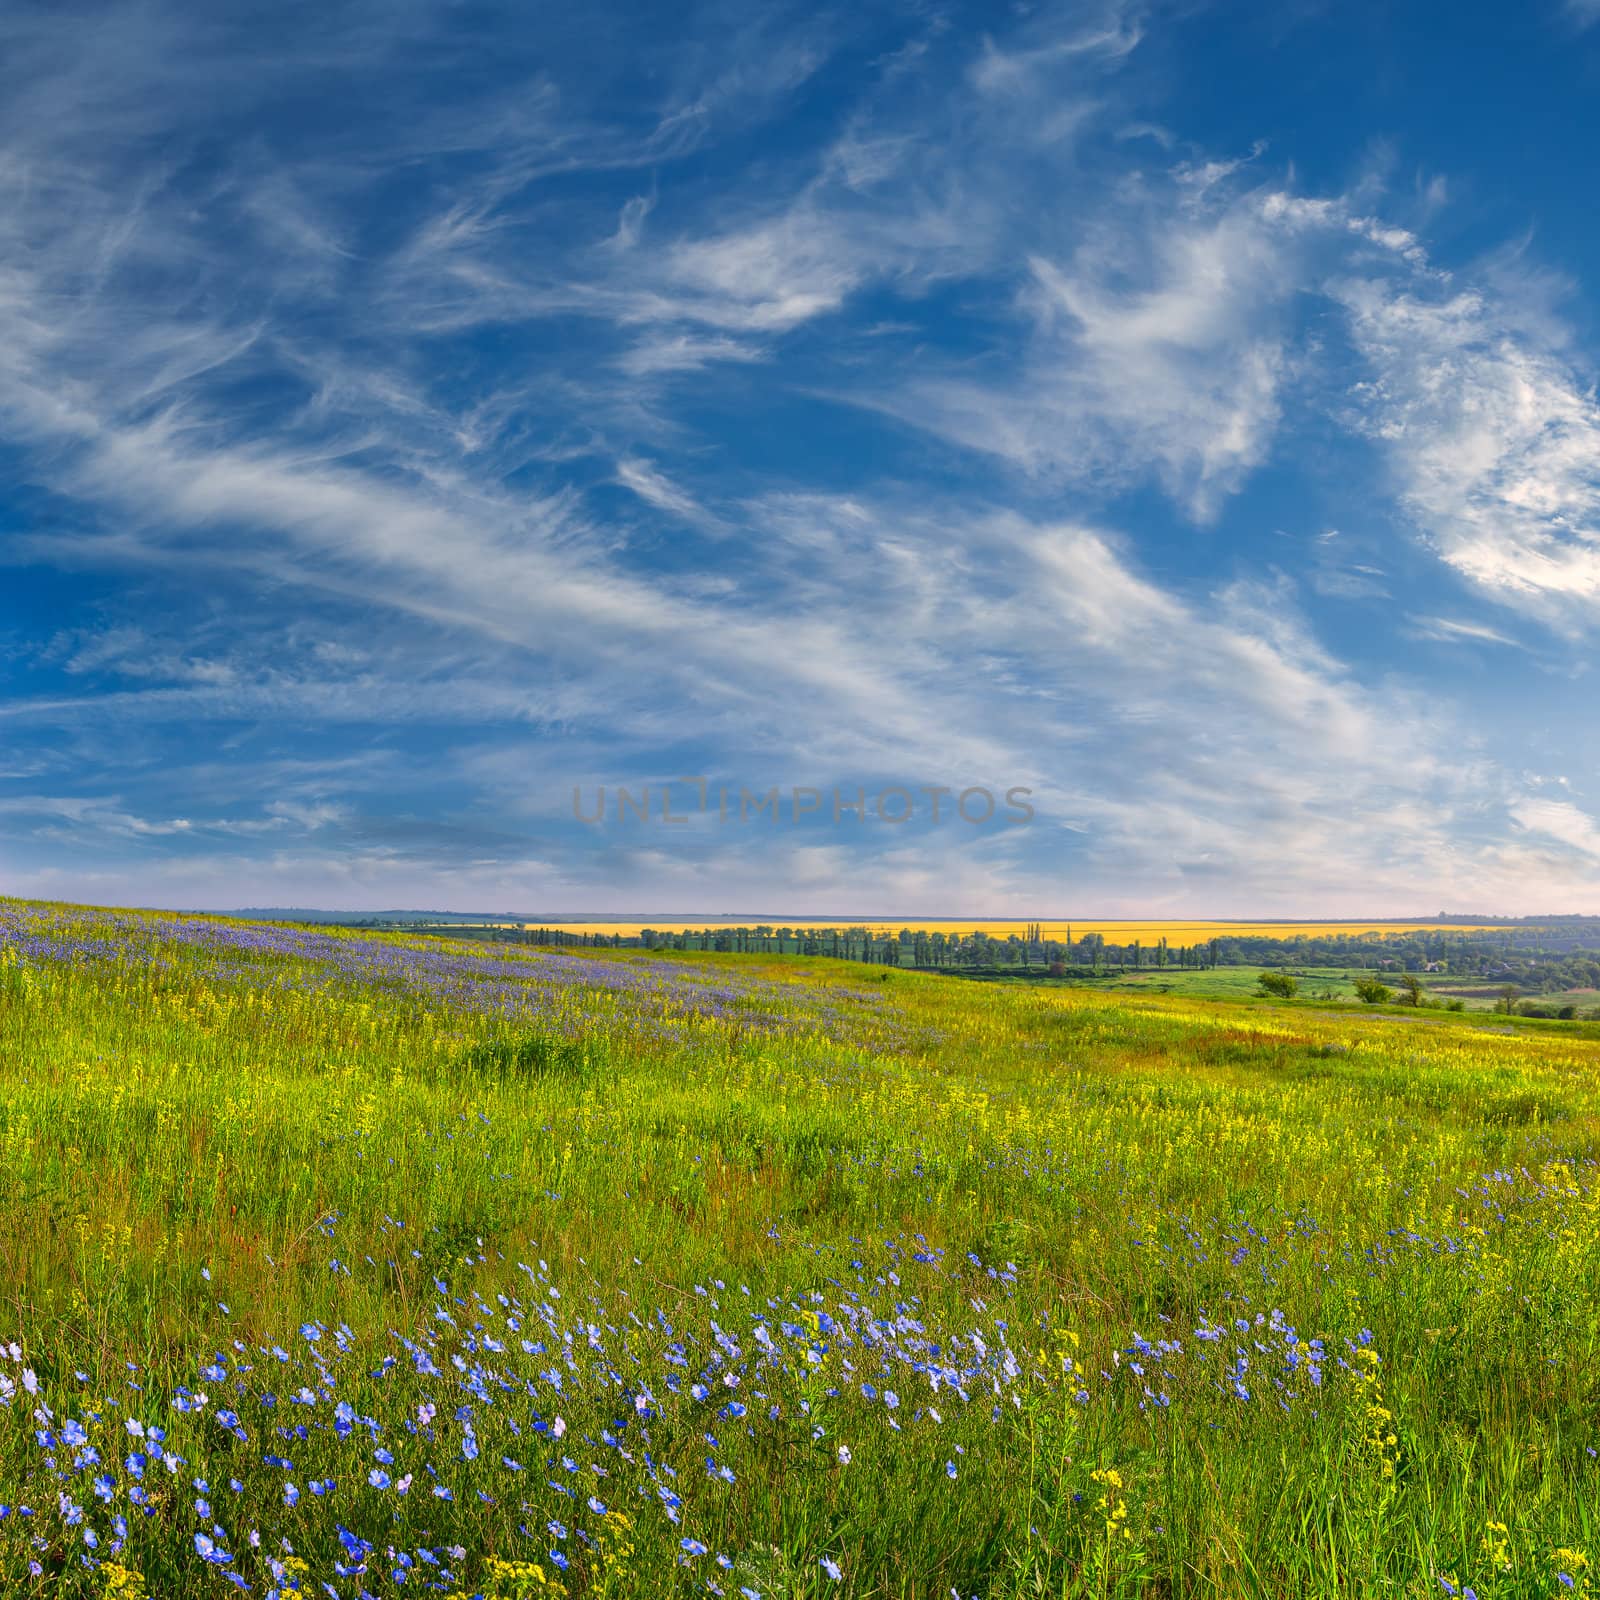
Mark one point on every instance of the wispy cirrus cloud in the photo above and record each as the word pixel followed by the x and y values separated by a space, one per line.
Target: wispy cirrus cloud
pixel 1492 436
pixel 1562 821
pixel 1176 375
pixel 1451 630
pixel 657 353
pixel 655 488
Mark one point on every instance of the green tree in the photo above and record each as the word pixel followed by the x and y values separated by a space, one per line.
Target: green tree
pixel 1411 988
pixel 1373 991
pixel 1277 983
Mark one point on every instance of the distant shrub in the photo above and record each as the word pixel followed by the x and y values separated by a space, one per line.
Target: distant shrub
pixel 534 1055
pixel 1521 1110
pixel 1277 983
pixel 1372 992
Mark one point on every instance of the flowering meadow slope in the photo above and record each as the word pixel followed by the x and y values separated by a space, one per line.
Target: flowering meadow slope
pixel 352 1265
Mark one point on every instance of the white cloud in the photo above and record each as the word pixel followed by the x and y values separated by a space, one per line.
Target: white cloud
pixel 1493 439
pixel 1158 346
pixel 655 488
pixel 656 354
pixel 1018 71
pixel 1562 821
pixel 766 278
pixel 630 224
pixel 1448 630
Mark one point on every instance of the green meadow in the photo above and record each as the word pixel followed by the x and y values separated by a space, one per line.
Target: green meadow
pixel 1215 983
pixel 369 1265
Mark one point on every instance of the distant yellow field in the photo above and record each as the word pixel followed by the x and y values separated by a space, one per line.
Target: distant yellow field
pixel 1179 935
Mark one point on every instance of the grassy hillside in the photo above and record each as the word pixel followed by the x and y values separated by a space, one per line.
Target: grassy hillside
pixel 359 1264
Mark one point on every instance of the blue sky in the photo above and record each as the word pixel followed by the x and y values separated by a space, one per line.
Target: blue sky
pixel 410 413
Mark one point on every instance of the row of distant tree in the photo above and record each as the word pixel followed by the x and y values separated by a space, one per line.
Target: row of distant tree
pixel 909 947
pixel 1486 953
